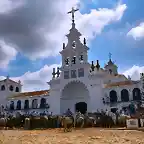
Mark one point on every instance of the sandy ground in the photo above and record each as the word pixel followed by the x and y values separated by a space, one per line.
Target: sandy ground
pixel 84 136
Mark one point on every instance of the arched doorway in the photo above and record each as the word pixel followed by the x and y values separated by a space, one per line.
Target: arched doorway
pixel 74 93
pixel 12 105
pixel 136 94
pixel 34 103
pixel 113 96
pixel 124 95
pixel 26 104
pixel 81 106
pixel 18 105
pixel 43 103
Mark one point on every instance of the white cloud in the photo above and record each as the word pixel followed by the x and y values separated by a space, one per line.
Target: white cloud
pixel 44 38
pixel 137 32
pixel 8 5
pixel 134 72
pixel 35 80
pixel 93 23
pixel 38 80
pixel 89 24
pixel 7 53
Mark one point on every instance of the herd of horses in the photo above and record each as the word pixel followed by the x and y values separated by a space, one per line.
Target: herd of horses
pixel 76 120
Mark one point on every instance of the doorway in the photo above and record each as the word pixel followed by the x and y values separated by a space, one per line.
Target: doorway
pixel 81 106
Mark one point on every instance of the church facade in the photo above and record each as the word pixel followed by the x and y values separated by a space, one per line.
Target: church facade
pixel 79 85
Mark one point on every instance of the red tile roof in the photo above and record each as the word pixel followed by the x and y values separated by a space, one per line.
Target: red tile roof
pixel 122 83
pixel 33 93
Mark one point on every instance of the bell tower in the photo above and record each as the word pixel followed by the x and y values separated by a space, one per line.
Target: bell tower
pixel 74 52
pixel 111 68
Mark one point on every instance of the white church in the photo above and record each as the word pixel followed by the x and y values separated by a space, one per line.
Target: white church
pixel 77 84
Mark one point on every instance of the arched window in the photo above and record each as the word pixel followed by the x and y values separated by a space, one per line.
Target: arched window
pixel 110 71
pixel 12 105
pixel 34 103
pixel 18 105
pixel 124 95
pixel 11 88
pixel 17 89
pixel 113 96
pixel 43 103
pixel 136 94
pixel 2 87
pixel 26 104
pixel 2 108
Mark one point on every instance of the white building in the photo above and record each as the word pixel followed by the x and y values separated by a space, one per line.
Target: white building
pixel 78 84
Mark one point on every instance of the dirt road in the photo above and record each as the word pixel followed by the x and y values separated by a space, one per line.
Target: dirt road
pixel 85 136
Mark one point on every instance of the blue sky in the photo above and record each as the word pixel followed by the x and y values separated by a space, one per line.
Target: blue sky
pixel 126 51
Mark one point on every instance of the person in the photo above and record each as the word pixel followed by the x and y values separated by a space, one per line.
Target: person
pixel 69 113
pixel 132 109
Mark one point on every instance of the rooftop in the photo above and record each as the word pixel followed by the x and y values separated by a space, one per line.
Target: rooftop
pixel 122 83
pixel 30 94
pixel 10 80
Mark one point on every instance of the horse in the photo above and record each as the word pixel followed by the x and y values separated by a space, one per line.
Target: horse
pixel 122 119
pixel 3 122
pixel 27 123
pixel 113 116
pixel 68 122
pixel 79 119
pixel 90 120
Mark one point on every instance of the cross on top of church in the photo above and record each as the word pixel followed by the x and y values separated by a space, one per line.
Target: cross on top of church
pixel 72 12
pixel 110 56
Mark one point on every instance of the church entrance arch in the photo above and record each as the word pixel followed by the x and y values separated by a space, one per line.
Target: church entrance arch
pixel 75 96
pixel 81 107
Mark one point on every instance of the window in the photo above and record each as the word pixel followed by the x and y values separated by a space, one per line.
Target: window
pixel 11 88
pixel 67 61
pixel 17 89
pixel 81 57
pixel 73 44
pixel 2 87
pixel 74 60
pixel 66 74
pixel 110 71
pixel 26 104
pixel 81 72
pixel 43 103
pixel 12 105
pixel 73 74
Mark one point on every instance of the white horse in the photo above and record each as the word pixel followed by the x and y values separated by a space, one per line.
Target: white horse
pixel 112 115
pixel 78 118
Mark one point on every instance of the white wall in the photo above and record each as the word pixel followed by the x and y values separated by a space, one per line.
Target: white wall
pixel 6 93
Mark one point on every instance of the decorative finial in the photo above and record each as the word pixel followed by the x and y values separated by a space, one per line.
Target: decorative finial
pixel 58 72
pixel 72 12
pixel 110 56
pixel 92 66
pixel 19 82
pixel 7 76
pixel 97 65
pixel 129 78
pixel 53 73
pixel 63 45
pixel 84 41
